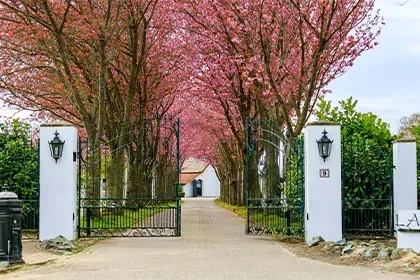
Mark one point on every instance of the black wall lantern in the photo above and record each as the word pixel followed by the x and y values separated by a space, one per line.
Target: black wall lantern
pixel 324 145
pixel 56 147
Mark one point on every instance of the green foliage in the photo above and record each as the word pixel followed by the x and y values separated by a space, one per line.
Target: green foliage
pixel 123 218
pixel 366 152
pixel 18 159
pixel 408 126
pixel 180 188
pixel 364 125
pixel 262 217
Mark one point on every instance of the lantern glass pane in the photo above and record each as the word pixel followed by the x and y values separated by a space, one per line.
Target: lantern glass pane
pixel 325 149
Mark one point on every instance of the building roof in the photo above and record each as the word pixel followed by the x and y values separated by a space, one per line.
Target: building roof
pixel 191 169
pixel 192 165
pixel 185 178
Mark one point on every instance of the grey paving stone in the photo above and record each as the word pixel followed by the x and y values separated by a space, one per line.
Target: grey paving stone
pixel 213 246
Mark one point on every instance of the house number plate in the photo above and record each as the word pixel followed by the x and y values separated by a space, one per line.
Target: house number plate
pixel 324 173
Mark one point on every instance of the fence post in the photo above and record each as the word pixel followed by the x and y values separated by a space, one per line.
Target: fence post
pixel 405 176
pixel 88 217
pixel 58 181
pixel 323 212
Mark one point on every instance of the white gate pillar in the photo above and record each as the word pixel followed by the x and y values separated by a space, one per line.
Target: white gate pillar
pixel 323 184
pixel 58 181
pixel 405 175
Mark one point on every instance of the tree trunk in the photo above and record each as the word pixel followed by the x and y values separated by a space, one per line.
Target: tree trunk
pixel 254 187
pixel 134 180
pixel 115 174
pixel 271 181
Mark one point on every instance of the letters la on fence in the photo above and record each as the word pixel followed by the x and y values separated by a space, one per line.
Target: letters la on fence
pixel 408 220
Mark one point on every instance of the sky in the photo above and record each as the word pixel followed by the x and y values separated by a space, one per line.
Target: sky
pixel 386 79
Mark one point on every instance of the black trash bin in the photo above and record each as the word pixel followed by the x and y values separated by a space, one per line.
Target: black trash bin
pixel 10 227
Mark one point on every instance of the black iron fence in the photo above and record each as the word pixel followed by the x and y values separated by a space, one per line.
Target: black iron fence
pixel 368 218
pixel 30 218
pixel 275 217
pixel 367 181
pixel 129 218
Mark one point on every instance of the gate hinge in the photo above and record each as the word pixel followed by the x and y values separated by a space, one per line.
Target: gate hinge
pixel 307 216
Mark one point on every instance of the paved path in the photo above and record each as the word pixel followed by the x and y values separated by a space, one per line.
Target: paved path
pixel 213 246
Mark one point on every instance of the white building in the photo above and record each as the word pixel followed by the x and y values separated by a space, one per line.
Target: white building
pixel 199 179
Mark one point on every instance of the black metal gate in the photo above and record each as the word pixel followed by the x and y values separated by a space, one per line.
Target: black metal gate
pixel 274 181
pixel 128 185
pixel 367 183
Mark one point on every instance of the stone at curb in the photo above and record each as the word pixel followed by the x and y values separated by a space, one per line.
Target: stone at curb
pixel 66 247
pixel 4 265
pixel 396 254
pixel 328 246
pixel 315 241
pixel 409 268
pixel 364 244
pixel 10 268
pixel 341 242
pixel 59 245
pixel 347 249
pixel 373 242
pixel 64 253
pixel 385 253
pixel 370 253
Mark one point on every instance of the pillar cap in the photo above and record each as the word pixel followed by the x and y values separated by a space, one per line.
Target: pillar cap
pixel 8 195
pixel 57 124
pixel 405 139
pixel 323 123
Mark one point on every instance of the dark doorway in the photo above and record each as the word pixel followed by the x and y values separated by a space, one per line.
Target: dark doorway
pixel 199 188
pixel 194 188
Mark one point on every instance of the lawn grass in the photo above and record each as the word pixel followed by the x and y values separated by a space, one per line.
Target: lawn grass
pixel 259 216
pixel 241 211
pixel 124 217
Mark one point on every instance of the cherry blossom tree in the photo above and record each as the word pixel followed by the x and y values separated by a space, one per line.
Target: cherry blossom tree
pixel 273 59
pixel 108 66
pixel 103 65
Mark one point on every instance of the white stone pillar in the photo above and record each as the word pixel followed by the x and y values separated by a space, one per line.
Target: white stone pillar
pixel 58 181
pixel 405 176
pixel 323 184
